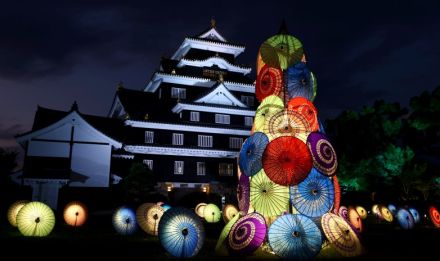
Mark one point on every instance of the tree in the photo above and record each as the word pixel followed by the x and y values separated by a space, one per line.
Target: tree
pixel 8 162
pixel 139 183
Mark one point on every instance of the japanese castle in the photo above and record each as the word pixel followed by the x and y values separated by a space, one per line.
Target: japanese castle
pixel 187 124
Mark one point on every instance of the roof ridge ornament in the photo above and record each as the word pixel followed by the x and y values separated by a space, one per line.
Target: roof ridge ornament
pixel 74 107
pixel 283 28
pixel 213 23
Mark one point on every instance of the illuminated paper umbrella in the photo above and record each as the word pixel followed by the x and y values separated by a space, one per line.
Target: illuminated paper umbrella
pixel 337 202
pixel 435 216
pixel 75 214
pixel 393 209
pixel 314 196
pixel 269 82
pixel 300 81
pixel 212 213
pixel 181 232
pixel 220 247
pixel 124 221
pixel 200 208
pixel 415 214
pixel 355 219
pixel 306 108
pixel 323 153
pixel 141 215
pixel 13 211
pixel 247 234
pixel 295 237
pixel 343 212
pixel 229 212
pixel 287 123
pixel 35 219
pixel 251 153
pixel 375 209
pixel 340 235
pixel 287 161
pixel 385 214
pixel 362 212
pixel 268 107
pixel 267 197
pixel 243 192
pixel 405 219
pixel 154 214
pixel 281 50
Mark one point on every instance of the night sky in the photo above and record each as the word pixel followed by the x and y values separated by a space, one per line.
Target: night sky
pixel 52 54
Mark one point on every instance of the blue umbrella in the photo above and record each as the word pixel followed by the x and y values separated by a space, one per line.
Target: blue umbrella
pixel 314 196
pixel 181 232
pixel 405 219
pixel 252 152
pixel 415 214
pixel 295 237
pixel 124 221
pixel 165 207
pixel 300 81
pixel 392 209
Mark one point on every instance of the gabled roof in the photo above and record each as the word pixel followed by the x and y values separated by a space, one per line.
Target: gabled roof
pixel 220 95
pixel 47 120
pixel 215 60
pixel 212 34
pixel 207 44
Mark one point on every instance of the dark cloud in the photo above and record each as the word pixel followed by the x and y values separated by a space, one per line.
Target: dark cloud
pixel 8 132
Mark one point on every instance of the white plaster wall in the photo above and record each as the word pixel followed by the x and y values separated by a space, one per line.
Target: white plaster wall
pixel 48 149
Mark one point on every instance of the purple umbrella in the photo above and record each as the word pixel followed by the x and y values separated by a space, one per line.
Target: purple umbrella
pixel 243 193
pixel 323 153
pixel 343 212
pixel 247 234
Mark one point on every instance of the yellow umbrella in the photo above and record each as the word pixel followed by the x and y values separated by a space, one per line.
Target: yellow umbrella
pixel 267 197
pixel 386 214
pixel 362 212
pixel 142 217
pixel 212 213
pixel 287 123
pixel 229 212
pixel 269 106
pixel 35 219
pixel 199 209
pixel 154 213
pixel 13 211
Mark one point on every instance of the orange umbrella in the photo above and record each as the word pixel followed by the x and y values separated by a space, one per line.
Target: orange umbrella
pixel 306 108
pixel 337 195
pixel 355 219
pixel 75 214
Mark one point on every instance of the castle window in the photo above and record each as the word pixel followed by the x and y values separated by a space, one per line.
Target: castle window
pixel 178 93
pixel 194 116
pixel 248 100
pixel 248 121
pixel 178 167
pixel 201 168
pixel 177 139
pixel 235 143
pixel 204 141
pixel 226 169
pixel 148 163
pixel 149 137
pixel 222 118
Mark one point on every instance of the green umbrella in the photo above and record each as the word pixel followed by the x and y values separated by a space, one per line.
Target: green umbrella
pixel 212 213
pixel 267 197
pixel 281 50
pixel 220 247
pixel 270 105
pixel 315 85
pixel 35 219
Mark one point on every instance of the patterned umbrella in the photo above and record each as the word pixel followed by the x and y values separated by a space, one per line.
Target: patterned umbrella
pixel 281 50
pixel 343 212
pixel 124 221
pixel 251 153
pixel 142 217
pixel 362 212
pixel 314 196
pixel 269 106
pixel 75 214
pixel 375 209
pixel 13 211
pixel 287 161
pixel 212 213
pixel 267 197
pixel 341 235
pixel 405 219
pixel 337 195
pixel 35 219
pixel 415 214
pixel 154 214
pixel 386 214
pixel 287 123
pixel 200 208
pixel 229 212
pixel 220 249
pixel 269 82
pixel 323 154
pixel 393 209
pixel 181 232
pixel 295 237
pixel 260 63
pixel 435 216
pixel 306 108
pixel 243 192
pixel 300 81
pixel 355 219
pixel 247 234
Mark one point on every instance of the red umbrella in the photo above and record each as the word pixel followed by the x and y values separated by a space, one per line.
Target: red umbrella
pixel 305 108
pixel 435 216
pixel 287 161
pixel 269 82
pixel 337 195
